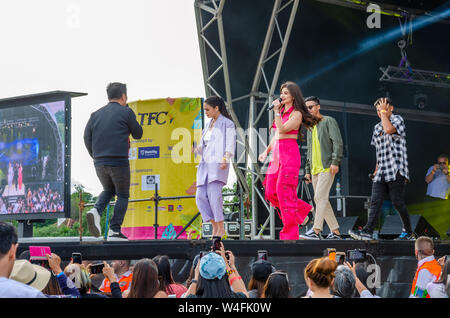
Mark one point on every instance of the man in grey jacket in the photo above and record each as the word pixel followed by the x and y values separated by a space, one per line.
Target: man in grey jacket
pixel 106 137
pixel 322 164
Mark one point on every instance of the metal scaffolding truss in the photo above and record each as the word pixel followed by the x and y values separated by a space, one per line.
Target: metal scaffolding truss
pixel 262 90
pixel 395 74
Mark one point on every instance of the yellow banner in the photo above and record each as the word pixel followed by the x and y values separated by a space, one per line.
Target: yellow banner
pixel 163 157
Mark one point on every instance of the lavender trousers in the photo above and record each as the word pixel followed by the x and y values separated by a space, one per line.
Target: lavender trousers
pixel 281 187
pixel 209 200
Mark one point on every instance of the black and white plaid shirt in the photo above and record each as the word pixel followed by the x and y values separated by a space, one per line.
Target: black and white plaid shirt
pixel 391 151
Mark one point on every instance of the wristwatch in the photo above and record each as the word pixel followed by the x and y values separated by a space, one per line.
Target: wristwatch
pixel 194 281
pixel 277 114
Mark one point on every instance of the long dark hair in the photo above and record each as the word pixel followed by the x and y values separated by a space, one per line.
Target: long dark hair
pixel 256 284
pixel 216 101
pixel 308 120
pixel 277 286
pixel 214 288
pixel 145 283
pixel 164 273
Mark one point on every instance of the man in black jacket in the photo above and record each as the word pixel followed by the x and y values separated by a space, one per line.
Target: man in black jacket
pixel 106 137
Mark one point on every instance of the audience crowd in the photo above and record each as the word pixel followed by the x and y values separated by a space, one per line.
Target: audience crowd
pixel 213 274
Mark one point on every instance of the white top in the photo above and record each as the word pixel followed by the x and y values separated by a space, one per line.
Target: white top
pixel 367 294
pixel 207 136
pixel 12 289
pixel 436 290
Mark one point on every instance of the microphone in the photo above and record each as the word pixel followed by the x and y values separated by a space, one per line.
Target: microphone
pixel 271 106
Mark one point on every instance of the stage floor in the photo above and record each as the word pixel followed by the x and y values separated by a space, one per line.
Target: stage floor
pixel 93 248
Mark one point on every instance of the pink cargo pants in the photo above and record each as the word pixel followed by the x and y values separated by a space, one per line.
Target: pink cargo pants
pixel 281 187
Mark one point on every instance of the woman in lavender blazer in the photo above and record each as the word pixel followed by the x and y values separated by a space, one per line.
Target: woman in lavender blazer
pixel 217 147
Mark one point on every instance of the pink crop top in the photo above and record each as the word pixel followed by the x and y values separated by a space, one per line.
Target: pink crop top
pixel 285 118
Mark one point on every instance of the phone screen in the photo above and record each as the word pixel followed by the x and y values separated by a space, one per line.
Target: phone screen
pixel 262 255
pixel 216 243
pixel 38 253
pixel 76 258
pixel 97 268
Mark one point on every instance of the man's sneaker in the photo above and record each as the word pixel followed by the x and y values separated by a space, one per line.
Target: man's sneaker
pixel 405 236
pixel 311 235
pixel 93 222
pixel 333 236
pixel 361 235
pixel 115 234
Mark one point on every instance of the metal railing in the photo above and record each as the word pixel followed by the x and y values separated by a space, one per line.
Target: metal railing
pixel 156 198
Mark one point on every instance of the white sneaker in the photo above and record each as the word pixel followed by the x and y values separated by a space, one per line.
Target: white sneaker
pixel 93 221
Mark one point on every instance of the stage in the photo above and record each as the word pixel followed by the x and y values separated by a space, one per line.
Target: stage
pixel 396 258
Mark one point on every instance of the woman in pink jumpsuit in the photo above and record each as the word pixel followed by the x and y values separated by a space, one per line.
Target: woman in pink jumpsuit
pixel 282 175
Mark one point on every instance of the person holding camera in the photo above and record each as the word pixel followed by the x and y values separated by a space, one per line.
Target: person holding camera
pixel 323 158
pixel 428 268
pixel 391 172
pixel 106 138
pixel 216 276
pixel 123 276
pixel 438 180
pixel 217 147
pixel 260 271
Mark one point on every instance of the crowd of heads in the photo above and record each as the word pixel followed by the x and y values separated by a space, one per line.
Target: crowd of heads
pixel 213 274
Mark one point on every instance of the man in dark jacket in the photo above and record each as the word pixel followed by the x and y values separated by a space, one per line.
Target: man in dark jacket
pixel 106 137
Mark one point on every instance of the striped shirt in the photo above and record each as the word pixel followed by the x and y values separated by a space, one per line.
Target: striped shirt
pixel 391 151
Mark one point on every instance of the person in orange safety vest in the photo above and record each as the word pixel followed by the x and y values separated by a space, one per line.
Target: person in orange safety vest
pixel 123 273
pixel 428 269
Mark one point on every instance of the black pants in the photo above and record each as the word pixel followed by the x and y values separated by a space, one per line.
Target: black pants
pixel 395 190
pixel 115 181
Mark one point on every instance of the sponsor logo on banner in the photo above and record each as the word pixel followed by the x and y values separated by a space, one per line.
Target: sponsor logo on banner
pixel 170 208
pixel 148 182
pixel 180 208
pixel 132 155
pixel 148 152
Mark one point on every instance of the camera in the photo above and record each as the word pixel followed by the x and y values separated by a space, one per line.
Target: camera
pixel 340 258
pixel 262 255
pixel 216 243
pixel 76 258
pixel 97 268
pixel 331 253
pixel 357 256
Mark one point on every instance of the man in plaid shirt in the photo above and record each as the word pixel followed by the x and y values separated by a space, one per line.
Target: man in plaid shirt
pixel 391 172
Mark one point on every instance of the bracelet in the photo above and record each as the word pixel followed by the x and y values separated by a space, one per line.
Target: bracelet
pixel 194 281
pixel 231 271
pixel 277 114
pixel 233 279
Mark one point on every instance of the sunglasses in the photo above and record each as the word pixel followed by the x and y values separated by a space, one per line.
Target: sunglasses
pixel 281 274
pixel 442 163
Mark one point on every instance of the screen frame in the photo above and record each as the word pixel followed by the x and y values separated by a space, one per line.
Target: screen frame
pixel 42 99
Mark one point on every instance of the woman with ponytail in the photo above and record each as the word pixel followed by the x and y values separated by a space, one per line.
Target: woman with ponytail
pixel 282 175
pixel 217 147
